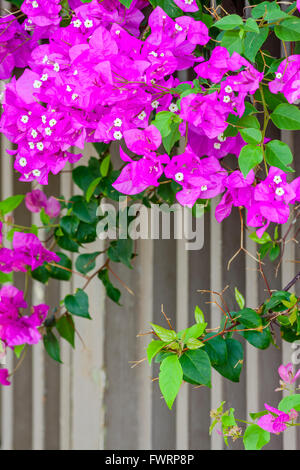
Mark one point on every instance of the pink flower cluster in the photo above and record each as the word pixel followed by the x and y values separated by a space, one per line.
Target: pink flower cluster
pixel 275 421
pixel 27 251
pixel 94 80
pixel 15 48
pixel 37 200
pixel 15 327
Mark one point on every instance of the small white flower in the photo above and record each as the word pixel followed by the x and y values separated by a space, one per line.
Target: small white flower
pixel 278 75
pixel 36 173
pixel 52 122
pixel 24 119
pixel 75 72
pixel 56 67
pixel 279 192
pixel 45 59
pixel 153 53
pixel 118 122
pixel 189 2
pixel 152 81
pixel 204 188
pixel 31 145
pixel 162 55
pixel 118 32
pixel 155 104
pixel 37 84
pixel 23 162
pixel 40 146
pixel 179 176
pixel 44 77
pixel 142 116
pixel 44 119
pixel 228 89
pixel 226 99
pixel 74 96
pixel 35 4
pixel 217 146
pixel 77 23
pixel 173 107
pixel 29 113
pixel 48 131
pixel 178 27
pixel 221 138
pixel 88 23
pixel 118 135
pixel 277 179
pixel 164 17
pixel 68 88
pixel 34 133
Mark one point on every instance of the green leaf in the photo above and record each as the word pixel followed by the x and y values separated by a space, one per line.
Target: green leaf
pixel 18 350
pixel 52 346
pixel 173 137
pixel 255 437
pixel 91 189
pixel 229 22
pixel 86 262
pixel 250 157
pixel 126 3
pixel 11 203
pixel 5 277
pixel 199 315
pixel 196 367
pixel 261 241
pixel 66 328
pixel 85 211
pixel 249 318
pixel 104 167
pixel 279 154
pixel 168 6
pixel 153 348
pixel 163 333
pixel 78 304
pixel 112 292
pixel 60 273
pixel 232 41
pixel 251 26
pixel 288 29
pixel 120 251
pixel 69 225
pixel 193 332
pixel 290 402
pixel 235 355
pixel 286 117
pixel 253 43
pixel 170 378
pixel 239 298
pixel 193 343
pixel 216 349
pixel 258 339
pixel 251 136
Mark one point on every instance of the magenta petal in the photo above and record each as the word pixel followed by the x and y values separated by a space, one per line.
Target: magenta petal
pixel 4 376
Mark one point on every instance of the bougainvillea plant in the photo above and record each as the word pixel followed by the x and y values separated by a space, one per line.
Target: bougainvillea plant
pixel 103 71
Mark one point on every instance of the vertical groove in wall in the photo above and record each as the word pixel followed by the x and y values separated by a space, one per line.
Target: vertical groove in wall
pixel 88 379
pixel 144 412
pixel 216 285
pixel 38 370
pixel 182 320
pixel 7 406
pixel 66 350
pixel 252 354
pixel 288 271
